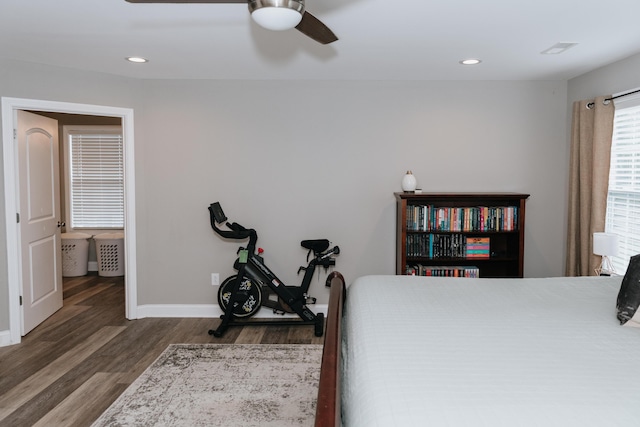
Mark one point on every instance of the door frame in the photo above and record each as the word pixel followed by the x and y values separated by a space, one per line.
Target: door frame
pixel 11 181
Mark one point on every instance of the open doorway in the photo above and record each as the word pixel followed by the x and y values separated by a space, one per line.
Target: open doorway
pixel 10 106
pixel 94 195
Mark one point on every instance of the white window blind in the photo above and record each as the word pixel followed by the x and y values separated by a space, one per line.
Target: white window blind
pixel 95 178
pixel 623 199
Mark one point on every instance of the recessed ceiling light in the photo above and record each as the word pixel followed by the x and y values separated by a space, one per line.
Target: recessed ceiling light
pixel 470 61
pixel 558 48
pixel 136 59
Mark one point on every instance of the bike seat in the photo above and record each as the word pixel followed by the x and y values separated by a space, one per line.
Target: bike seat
pixel 318 245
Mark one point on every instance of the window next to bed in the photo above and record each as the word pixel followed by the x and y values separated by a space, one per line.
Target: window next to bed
pixel 623 199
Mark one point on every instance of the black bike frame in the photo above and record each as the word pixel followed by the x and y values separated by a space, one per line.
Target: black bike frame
pixel 256 270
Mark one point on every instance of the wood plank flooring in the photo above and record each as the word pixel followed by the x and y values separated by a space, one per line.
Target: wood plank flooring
pixel 69 369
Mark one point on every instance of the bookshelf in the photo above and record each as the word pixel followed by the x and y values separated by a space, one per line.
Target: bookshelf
pixel 450 233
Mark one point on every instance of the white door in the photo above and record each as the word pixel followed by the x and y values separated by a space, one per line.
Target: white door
pixel 39 216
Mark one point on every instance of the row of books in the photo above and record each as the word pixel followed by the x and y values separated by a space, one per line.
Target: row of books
pixel 478 218
pixel 442 271
pixel 447 246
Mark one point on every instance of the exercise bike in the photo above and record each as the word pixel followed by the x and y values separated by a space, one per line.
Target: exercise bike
pixel 254 286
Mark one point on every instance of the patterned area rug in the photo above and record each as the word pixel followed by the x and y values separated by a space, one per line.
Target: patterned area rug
pixel 223 385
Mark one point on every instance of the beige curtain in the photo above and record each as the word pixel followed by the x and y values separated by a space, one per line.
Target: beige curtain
pixel 591 133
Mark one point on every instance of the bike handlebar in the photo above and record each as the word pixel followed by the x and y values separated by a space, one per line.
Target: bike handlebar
pixel 237 231
pixel 334 251
pixel 326 258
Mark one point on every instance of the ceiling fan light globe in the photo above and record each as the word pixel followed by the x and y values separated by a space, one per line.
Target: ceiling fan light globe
pixel 276 15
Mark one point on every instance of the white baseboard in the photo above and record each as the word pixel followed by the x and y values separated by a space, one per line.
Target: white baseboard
pixel 5 338
pixel 209 311
pixel 93 266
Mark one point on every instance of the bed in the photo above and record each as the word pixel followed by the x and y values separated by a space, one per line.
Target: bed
pixel 431 351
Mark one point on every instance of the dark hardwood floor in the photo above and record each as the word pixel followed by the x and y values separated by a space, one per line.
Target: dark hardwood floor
pixel 69 369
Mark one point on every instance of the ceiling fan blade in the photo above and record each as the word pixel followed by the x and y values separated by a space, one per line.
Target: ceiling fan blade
pixel 187 1
pixel 312 27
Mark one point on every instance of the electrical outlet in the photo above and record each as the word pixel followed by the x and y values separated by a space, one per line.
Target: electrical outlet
pixel 215 279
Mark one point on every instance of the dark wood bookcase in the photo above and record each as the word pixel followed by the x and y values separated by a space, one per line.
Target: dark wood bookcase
pixel 460 218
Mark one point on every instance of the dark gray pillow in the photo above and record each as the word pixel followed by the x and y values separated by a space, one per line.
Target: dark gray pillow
pixel 629 295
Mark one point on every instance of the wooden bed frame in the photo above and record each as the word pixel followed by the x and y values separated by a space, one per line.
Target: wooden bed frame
pixel 328 411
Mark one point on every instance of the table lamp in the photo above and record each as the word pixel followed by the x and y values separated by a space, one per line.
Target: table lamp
pixel 605 245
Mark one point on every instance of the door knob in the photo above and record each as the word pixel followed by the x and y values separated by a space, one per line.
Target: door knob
pixel 61 224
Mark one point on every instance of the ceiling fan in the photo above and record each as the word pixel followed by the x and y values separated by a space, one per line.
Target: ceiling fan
pixel 275 15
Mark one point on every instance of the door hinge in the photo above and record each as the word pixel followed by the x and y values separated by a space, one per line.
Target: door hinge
pixel 18 217
pixel 15 134
pixel 20 299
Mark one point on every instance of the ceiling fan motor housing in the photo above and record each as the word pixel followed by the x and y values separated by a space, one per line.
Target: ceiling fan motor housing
pixel 277 14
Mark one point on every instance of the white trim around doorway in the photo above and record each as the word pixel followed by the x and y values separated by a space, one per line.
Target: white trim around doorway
pixel 9 107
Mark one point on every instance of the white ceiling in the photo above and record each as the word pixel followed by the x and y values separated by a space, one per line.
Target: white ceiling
pixel 379 39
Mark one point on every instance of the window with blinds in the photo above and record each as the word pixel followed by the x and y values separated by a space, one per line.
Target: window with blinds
pixel 95 177
pixel 623 199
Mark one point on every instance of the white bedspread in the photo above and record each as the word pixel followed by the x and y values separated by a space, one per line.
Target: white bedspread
pixel 488 352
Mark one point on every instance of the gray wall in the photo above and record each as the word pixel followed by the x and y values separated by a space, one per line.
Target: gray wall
pixel 312 159
pixel 617 77
pixel 303 159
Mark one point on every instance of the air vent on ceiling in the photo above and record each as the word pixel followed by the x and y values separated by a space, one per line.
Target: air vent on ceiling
pixel 558 48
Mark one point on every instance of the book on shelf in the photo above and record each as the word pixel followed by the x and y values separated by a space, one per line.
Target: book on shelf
pixel 443 271
pixel 465 219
